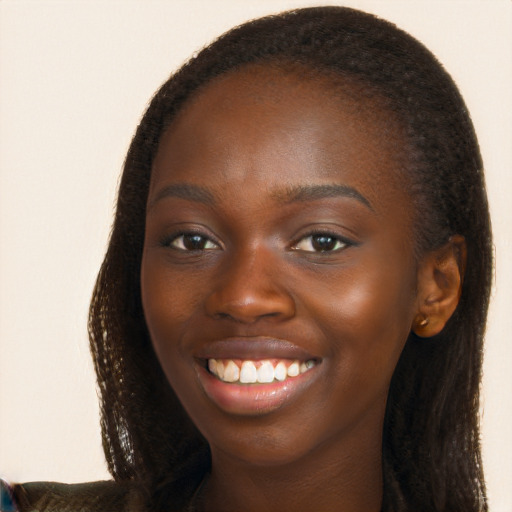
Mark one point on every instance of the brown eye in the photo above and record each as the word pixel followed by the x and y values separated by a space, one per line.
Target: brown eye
pixel 320 243
pixel 192 242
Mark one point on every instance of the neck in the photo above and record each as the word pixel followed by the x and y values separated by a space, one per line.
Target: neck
pixel 340 477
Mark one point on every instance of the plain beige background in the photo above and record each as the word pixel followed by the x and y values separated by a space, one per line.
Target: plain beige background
pixel 75 77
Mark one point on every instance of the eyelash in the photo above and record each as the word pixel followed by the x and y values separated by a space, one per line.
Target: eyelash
pixel 340 243
pixel 180 241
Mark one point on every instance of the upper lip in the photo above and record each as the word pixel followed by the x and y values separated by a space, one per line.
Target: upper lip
pixel 253 348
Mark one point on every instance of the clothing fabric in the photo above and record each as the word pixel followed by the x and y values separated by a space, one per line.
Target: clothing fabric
pixel 103 496
pixel 7 503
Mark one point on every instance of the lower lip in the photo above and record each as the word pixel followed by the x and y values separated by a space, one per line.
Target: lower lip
pixel 252 399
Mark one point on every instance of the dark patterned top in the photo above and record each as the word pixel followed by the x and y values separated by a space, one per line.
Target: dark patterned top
pixel 7 503
pixel 104 496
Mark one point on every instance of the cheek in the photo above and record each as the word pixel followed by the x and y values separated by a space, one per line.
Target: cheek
pixel 164 313
pixel 169 300
pixel 366 314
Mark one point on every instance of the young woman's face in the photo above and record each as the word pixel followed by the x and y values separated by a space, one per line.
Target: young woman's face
pixel 279 249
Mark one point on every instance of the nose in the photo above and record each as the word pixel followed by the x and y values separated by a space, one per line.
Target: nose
pixel 250 287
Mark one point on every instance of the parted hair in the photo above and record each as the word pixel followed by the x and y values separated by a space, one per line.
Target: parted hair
pixel 431 448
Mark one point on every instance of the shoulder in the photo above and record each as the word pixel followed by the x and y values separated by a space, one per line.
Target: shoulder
pixel 87 497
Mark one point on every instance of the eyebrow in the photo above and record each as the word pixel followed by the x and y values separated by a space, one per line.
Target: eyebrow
pixel 300 193
pixel 184 191
pixel 314 192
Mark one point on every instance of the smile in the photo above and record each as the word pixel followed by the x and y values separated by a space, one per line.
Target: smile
pixel 260 371
pixel 257 375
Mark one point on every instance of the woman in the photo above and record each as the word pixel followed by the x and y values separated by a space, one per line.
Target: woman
pixel 306 192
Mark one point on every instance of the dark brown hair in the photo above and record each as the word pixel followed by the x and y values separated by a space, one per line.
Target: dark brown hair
pixel 431 452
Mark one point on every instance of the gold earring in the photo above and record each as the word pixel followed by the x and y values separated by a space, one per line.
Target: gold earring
pixel 424 322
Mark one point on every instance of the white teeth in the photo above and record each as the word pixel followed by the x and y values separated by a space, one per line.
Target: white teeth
pixel 266 372
pixel 231 372
pixel 293 369
pixel 280 371
pixel 228 371
pixel 248 373
pixel 220 370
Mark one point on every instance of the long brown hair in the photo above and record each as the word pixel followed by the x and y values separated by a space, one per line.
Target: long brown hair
pixel 431 452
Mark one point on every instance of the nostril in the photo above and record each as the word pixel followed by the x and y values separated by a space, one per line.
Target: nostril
pixel 221 316
pixel 240 317
pixel 275 306
pixel 251 316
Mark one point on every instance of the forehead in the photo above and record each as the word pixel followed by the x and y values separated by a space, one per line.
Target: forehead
pixel 266 121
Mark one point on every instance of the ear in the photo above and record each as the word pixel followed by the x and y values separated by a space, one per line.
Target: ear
pixel 440 276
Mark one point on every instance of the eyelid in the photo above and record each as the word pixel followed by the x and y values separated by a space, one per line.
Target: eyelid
pixel 344 241
pixel 168 240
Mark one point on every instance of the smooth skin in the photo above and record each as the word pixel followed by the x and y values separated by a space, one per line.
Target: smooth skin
pixel 278 208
